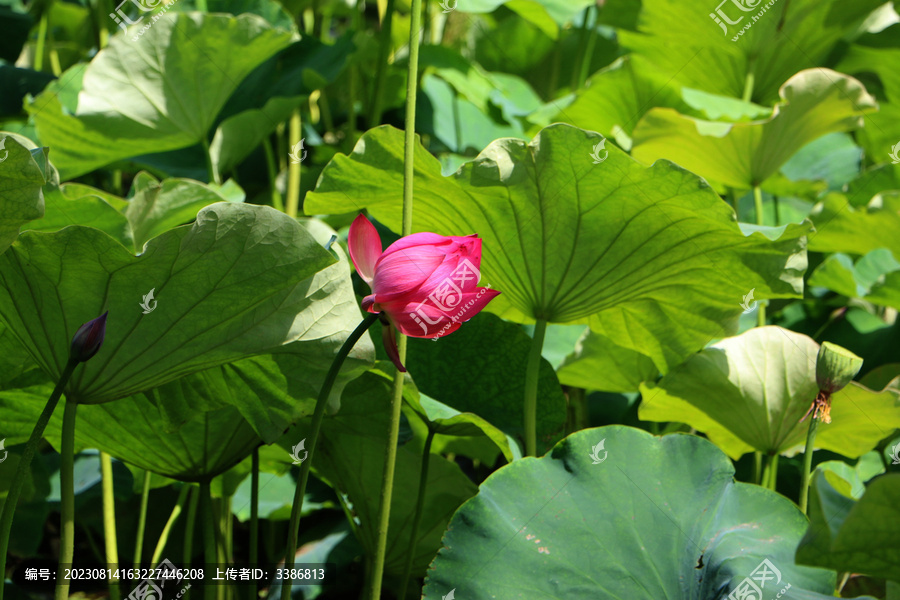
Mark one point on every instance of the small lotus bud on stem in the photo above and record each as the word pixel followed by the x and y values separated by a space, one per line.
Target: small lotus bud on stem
pixel 87 340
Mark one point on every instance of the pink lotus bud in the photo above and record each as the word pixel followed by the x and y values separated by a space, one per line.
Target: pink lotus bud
pixel 426 284
pixel 87 340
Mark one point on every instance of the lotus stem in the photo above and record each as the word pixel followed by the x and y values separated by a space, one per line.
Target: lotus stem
pixel 293 184
pixel 67 498
pixel 417 518
pixel 770 474
pixel 807 462
pixel 12 498
pixel 384 49
pixel 277 202
pixel 531 387
pixel 189 526
pixel 211 170
pixel 142 521
pixel 318 415
pixel 758 205
pixel 109 524
pixel 209 536
pixel 254 509
pixel 167 529
pixel 409 150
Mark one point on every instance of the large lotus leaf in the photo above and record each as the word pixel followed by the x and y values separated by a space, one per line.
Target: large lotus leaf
pixel 227 287
pixel 448 368
pixel 614 99
pixel 882 130
pixel 656 518
pixel 155 207
pixel 562 11
pixel 207 445
pixel 858 536
pixel 617 244
pixel 22 175
pixel 162 94
pixel 598 363
pixel 813 103
pixel 273 391
pixel 875 277
pixel 268 96
pixel 350 457
pixel 841 227
pixel 443 420
pixel 749 393
pixel 681 38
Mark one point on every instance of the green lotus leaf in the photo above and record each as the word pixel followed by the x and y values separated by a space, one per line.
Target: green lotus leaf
pixel 598 363
pixel 813 103
pixel 650 257
pixel 860 536
pixel 350 457
pixel 779 39
pixel 749 393
pixel 446 370
pixel 164 96
pixel 227 287
pixel 22 175
pixel 875 277
pixel 614 512
pixel 842 227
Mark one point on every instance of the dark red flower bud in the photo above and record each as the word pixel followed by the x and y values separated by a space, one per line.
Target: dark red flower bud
pixel 87 340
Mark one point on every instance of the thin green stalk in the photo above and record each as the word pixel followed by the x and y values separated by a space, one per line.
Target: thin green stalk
pixel 209 536
pixel 38 63
pixel 586 43
pixel 293 185
pixel 387 479
pixel 531 387
pixel 807 462
pixel 384 48
pixel 167 529
pixel 770 475
pixel 254 509
pixel 757 467
pixel 189 526
pixel 109 523
pixel 749 81
pixel 142 521
pixel 387 482
pixel 312 438
pixel 201 6
pixel 67 498
pixel 12 497
pixel 211 170
pixel 758 206
pixel 417 518
pixel 277 202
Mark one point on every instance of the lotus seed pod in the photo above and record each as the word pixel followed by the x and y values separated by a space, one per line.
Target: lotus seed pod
pixel 835 367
